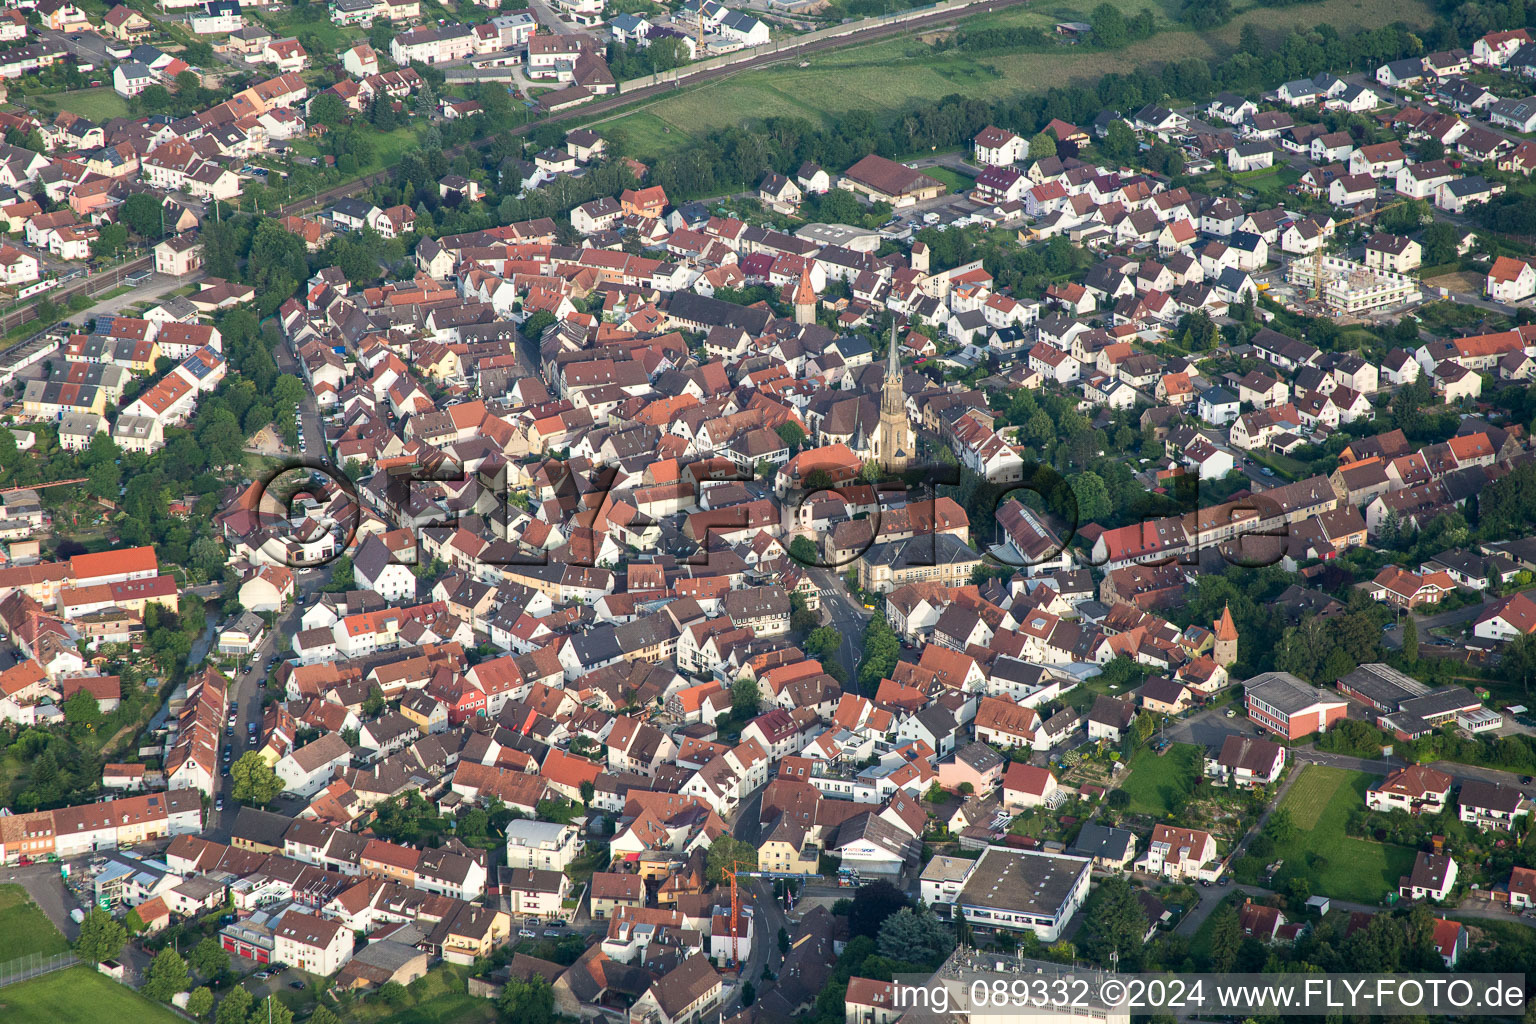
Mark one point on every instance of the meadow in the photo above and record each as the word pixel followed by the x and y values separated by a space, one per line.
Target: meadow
pixel 889 74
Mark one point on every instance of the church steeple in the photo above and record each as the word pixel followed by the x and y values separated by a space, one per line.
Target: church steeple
pixel 894 449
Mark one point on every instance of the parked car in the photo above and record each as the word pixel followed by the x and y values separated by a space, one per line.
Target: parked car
pixel 1231 713
pixel 527 933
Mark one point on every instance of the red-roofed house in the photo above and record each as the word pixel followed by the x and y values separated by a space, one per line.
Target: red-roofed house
pixel 1026 786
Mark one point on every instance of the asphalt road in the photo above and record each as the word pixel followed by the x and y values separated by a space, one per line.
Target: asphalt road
pixel 247 689
pixel 548 19
pixel 847 616
pixel 1393 637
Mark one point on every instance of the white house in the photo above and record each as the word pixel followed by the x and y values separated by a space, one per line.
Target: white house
pixel 541 844
pixel 1178 853
pixel 308 769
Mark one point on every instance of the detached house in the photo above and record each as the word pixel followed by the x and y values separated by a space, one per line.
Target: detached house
pixel 1489 806
pixel 1434 875
pixel 1179 853
pixel 1248 761
pixel 997 147
pixel 1416 789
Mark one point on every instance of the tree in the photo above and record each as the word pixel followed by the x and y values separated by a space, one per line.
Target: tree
pixel 1279 827
pixel 1145 724
pixel 882 648
pixel 166 976
pixel 112 237
pixel 82 709
pixel 233 1007
pixel 1411 640
pixel 803 550
pixel 200 1002
pixel 208 958
pixel 871 905
pixel 1115 924
pixel 1226 938
pixel 726 855
pixel 1042 146
pixel 791 433
pixel 1439 242
pixel 823 643
pixel 1108 26
pixel 1119 141
pixel 101 938
pixel 536 324
pixel 1093 504
pixel 373 704
pixel 103 480
pixel 144 215
pixel 745 697
pixel 914 935
pixel 255 781
pixel 325 1015
pixel 1203 14
pixel 272 1010
pixel 342 578
pixel 527 1002
pixel 328 109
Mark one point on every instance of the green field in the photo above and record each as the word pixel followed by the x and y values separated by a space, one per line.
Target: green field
pixel 861 77
pixel 1156 784
pixel 100 105
pixel 1336 864
pixel 953 180
pixel 24 929
pixel 78 996
pixel 444 1000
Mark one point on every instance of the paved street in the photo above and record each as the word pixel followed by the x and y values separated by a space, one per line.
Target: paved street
pixel 549 20
pixel 847 616
pixel 1393 638
pixel 246 688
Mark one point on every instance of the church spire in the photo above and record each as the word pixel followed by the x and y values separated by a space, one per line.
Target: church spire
pixel 895 446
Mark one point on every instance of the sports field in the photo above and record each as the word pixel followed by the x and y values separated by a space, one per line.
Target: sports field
pixel 1333 863
pixel 78 995
pixel 891 73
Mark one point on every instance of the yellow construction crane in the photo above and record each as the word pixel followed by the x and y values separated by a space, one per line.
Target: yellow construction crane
pixel 1317 257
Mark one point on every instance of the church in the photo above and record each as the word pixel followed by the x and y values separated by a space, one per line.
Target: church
pixel 894 444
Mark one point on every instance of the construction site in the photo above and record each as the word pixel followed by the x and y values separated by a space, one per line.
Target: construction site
pixel 1344 286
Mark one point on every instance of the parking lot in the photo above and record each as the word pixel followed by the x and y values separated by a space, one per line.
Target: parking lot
pixel 1209 728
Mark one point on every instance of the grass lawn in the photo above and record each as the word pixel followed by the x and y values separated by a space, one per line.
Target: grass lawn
pixel 952 179
pixel 444 1000
pixel 25 929
pixel 860 77
pixel 79 995
pixel 1287 467
pixel 1336 864
pixel 97 104
pixel 1155 783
